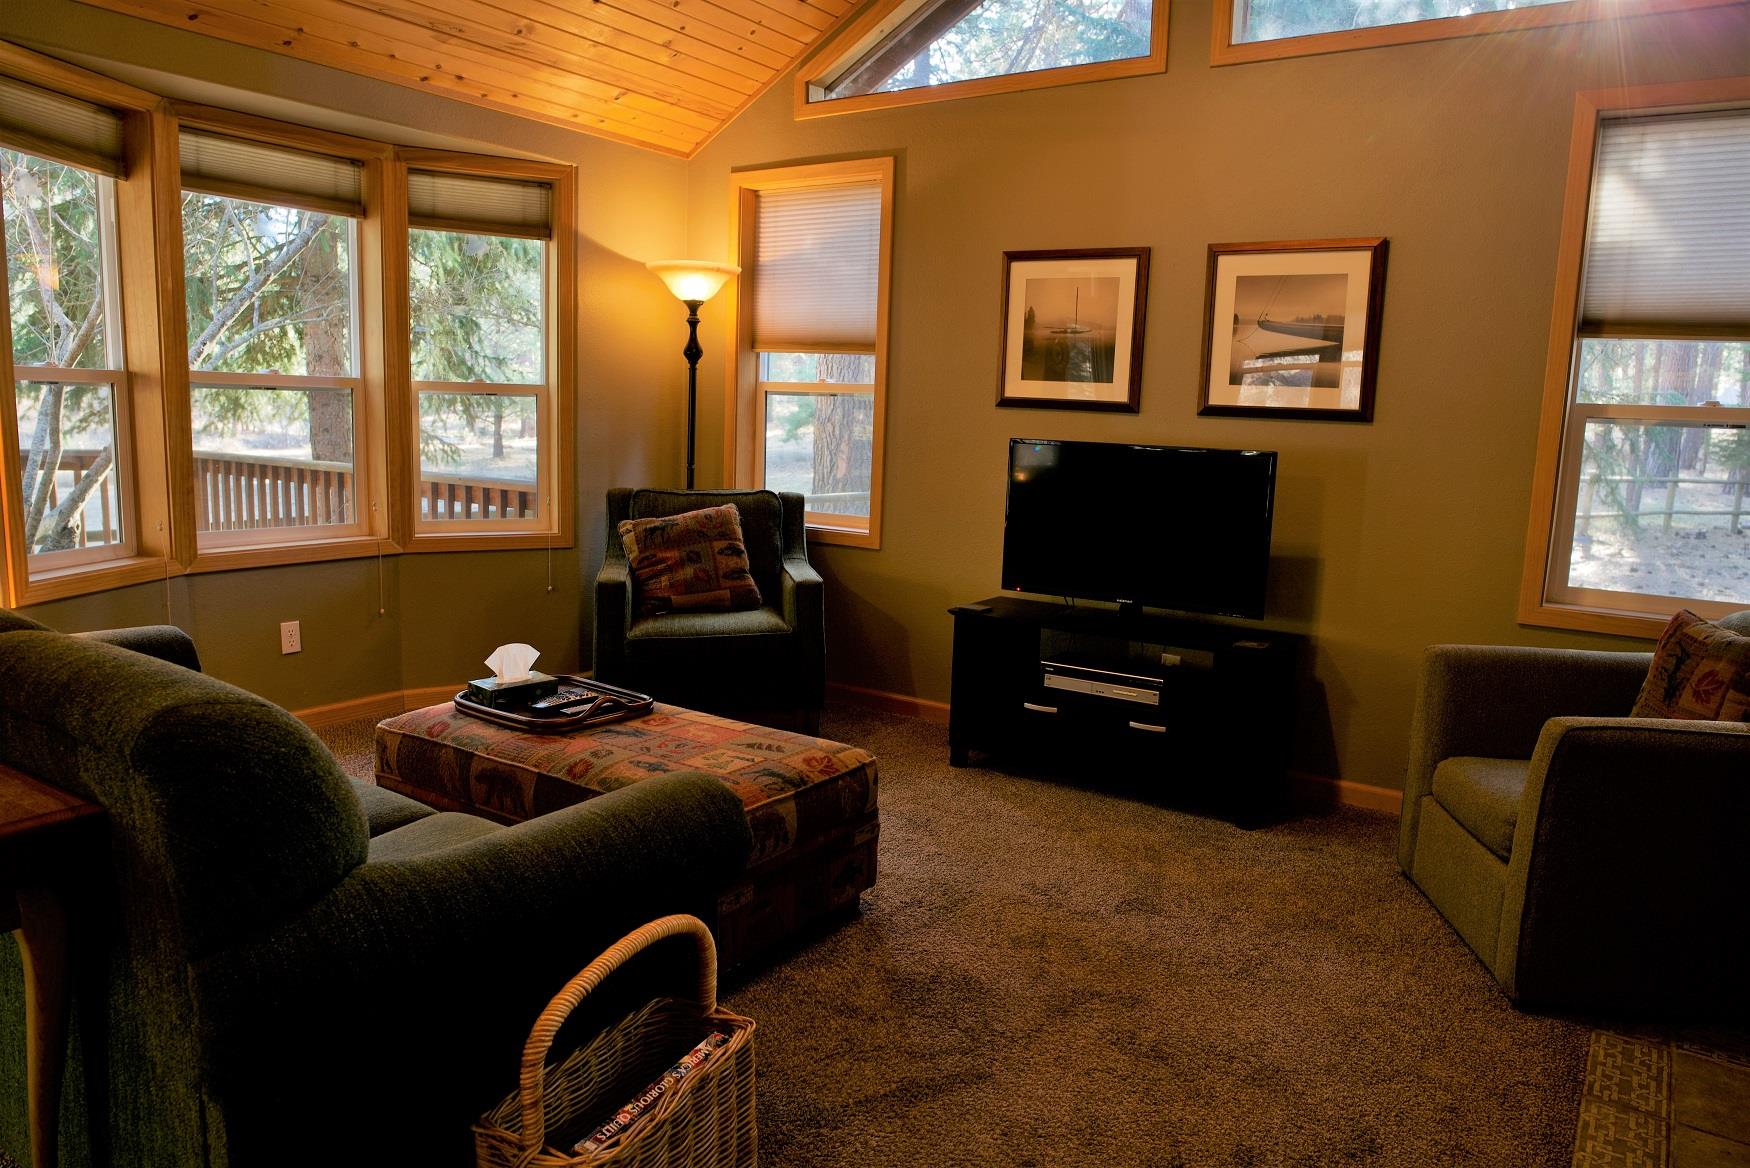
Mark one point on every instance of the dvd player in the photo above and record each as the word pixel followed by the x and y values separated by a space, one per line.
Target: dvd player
pixel 1101 683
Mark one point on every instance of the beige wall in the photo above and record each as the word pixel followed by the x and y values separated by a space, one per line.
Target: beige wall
pixel 1388 536
pixel 441 613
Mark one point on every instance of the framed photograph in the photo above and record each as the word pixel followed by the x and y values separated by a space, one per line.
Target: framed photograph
pixel 1291 329
pixel 1072 328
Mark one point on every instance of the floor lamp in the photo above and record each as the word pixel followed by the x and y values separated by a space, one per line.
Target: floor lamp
pixel 693 282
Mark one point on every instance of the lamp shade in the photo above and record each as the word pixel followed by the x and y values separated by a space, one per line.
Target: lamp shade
pixel 693 279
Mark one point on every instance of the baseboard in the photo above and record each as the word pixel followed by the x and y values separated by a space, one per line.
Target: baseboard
pixel 1314 789
pixel 379 706
pixel 1325 791
pixel 891 703
pixel 383 705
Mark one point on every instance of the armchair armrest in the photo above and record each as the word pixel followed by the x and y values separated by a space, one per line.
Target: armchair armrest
pixel 804 604
pixel 1492 701
pixel 1634 828
pixel 434 966
pixel 165 642
pixel 613 618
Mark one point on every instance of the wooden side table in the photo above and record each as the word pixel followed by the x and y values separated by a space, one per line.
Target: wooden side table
pixel 47 839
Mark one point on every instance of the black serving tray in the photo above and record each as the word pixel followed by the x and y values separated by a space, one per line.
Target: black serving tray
pixel 597 704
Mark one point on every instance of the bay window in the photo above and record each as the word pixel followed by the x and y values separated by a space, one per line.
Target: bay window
pixel 481 283
pixel 270 282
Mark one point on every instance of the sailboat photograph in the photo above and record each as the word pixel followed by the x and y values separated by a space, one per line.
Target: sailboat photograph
pixel 1070 331
pixel 1288 330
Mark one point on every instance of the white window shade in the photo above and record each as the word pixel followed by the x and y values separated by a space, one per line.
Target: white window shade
pixel 817 269
pixel 1668 236
pixel 62 128
pixel 217 164
pixel 491 206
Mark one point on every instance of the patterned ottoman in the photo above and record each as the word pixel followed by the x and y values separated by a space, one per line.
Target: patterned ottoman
pixel 810 803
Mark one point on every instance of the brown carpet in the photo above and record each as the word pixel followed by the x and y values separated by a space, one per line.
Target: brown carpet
pixel 1050 975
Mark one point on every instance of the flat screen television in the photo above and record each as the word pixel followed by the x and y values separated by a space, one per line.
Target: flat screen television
pixel 1177 527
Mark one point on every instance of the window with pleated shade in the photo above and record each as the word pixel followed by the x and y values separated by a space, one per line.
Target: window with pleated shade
pixel 813 327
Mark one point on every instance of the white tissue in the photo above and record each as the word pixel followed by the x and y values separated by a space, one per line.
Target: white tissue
pixel 511 662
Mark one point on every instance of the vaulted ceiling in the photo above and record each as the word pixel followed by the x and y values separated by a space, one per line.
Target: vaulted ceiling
pixel 665 74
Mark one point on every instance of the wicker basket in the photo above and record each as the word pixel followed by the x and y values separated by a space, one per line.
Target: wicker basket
pixel 704 1121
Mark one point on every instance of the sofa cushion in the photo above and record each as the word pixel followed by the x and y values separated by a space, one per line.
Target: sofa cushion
pixel 435 832
pixel 752 622
pixel 1482 794
pixel 1699 670
pixel 384 809
pixel 691 562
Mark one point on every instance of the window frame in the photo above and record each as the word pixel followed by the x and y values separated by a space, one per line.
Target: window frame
pixel 1545 598
pixel 134 198
pixel 866 28
pixel 371 530
pixel 555 393
pixel 1224 50
pixel 744 399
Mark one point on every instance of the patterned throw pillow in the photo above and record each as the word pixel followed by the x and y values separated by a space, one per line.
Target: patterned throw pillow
pixel 691 562
pixel 1699 671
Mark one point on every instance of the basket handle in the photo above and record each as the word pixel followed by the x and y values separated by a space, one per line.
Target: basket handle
pixel 535 1051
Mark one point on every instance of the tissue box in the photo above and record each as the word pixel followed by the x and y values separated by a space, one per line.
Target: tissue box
pixel 506 695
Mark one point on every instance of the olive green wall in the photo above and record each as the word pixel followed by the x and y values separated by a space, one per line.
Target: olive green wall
pixel 1388 536
pixel 442 614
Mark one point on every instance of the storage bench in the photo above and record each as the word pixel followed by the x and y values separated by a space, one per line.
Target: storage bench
pixel 810 802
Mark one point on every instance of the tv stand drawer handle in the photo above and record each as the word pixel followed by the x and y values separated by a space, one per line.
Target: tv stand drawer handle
pixel 1038 709
pixel 1150 728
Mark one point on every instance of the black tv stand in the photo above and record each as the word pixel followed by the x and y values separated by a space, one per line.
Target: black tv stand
pixel 1199 710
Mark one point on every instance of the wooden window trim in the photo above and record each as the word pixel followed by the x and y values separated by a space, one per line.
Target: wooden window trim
pixel 744 410
pixel 557 473
pixel 1223 50
pixel 141 477
pixel 865 27
pixel 1547 489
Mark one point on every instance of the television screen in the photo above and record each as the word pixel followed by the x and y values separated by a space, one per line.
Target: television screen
pixel 1177 527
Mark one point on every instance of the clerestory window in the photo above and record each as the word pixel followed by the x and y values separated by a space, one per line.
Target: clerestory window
pixel 924 50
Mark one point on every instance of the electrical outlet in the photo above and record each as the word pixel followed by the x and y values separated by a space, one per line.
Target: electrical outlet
pixel 291 640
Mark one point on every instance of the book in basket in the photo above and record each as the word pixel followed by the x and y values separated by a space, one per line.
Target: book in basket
pixel 646 1099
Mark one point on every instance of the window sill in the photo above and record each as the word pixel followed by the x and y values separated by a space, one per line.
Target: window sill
pixel 97 577
pixel 487 541
pixel 1223 52
pixel 1614 622
pixel 843 537
pixel 268 555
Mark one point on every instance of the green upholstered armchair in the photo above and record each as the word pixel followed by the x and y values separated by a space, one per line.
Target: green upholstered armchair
pixel 275 965
pixel 756 663
pixel 1592 860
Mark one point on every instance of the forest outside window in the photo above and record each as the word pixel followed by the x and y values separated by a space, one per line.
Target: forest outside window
pixel 270 240
pixel 479 275
pixel 906 51
pixel 1651 510
pixel 1252 30
pixel 812 312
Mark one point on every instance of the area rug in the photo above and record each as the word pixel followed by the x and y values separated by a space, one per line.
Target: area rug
pixel 1058 973
pixel 1660 1099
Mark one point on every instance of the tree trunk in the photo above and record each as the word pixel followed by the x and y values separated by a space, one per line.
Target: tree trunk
pixel 844 427
pixel 1703 386
pixel 498 427
pixel 325 352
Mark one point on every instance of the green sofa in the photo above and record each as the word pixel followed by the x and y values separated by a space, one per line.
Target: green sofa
pixel 281 966
pixel 1593 861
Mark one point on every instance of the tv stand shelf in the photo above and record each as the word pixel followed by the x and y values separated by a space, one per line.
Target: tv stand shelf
pixel 1175 705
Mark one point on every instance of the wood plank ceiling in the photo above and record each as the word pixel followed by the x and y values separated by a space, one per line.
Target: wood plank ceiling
pixel 663 74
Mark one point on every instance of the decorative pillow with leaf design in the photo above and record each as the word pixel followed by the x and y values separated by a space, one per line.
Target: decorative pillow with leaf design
pixel 691 562
pixel 1700 670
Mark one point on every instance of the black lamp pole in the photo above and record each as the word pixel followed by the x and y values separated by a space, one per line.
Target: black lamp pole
pixel 692 353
